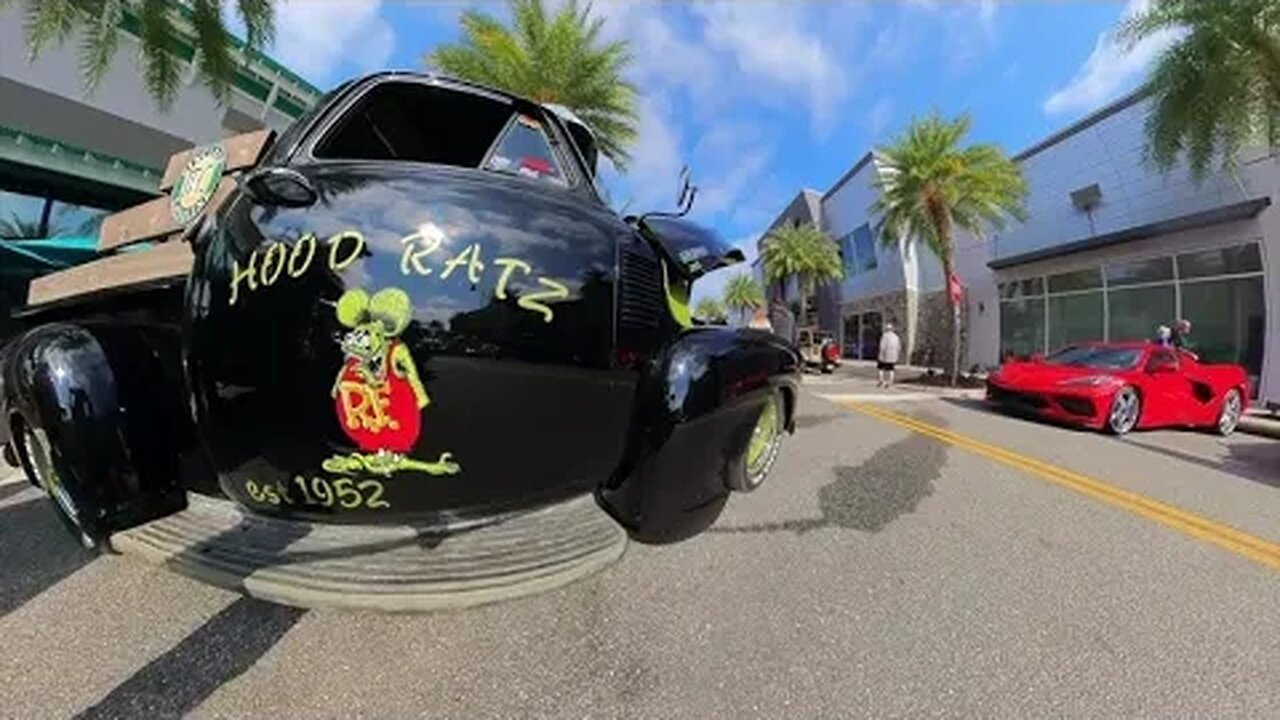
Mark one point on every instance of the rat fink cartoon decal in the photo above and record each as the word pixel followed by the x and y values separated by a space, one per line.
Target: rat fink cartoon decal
pixel 378 395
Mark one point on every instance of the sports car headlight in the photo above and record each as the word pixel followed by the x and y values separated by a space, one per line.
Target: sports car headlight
pixel 1090 381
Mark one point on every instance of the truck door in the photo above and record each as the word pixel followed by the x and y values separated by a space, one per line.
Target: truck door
pixel 415 320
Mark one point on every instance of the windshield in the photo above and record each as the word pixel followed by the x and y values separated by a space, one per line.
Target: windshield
pixel 1092 356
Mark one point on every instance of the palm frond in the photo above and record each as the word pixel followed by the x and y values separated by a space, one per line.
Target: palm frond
pixel 213 43
pixel 1216 89
pixel 550 58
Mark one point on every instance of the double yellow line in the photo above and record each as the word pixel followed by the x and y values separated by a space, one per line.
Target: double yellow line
pixel 1224 536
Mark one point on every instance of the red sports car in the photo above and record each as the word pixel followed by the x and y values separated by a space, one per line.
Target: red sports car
pixel 1117 387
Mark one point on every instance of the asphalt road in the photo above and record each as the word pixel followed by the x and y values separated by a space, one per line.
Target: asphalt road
pixel 881 572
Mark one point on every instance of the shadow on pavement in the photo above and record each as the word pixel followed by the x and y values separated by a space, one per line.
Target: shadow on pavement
pixel 1256 461
pixel 217 652
pixel 37 552
pixel 888 485
pixel 808 421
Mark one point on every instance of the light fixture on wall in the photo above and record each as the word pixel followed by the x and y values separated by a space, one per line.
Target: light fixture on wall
pixel 1086 199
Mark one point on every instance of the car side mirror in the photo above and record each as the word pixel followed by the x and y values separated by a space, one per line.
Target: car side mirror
pixel 1161 368
pixel 280 186
pixel 1037 357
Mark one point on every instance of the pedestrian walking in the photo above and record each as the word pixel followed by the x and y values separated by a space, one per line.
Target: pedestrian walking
pixel 887 360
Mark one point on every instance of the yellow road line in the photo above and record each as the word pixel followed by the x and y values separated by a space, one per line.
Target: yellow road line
pixel 1224 536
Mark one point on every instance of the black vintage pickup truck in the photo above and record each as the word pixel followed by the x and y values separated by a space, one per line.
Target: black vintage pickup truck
pixel 411 306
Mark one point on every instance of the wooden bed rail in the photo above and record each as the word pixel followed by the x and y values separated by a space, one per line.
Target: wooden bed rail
pixel 197 181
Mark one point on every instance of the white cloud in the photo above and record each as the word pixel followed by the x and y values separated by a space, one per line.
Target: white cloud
pixel 772 45
pixel 1109 69
pixel 879 117
pixel 317 39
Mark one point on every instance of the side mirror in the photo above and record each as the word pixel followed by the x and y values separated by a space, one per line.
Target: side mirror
pixel 1037 357
pixel 280 186
pixel 1161 368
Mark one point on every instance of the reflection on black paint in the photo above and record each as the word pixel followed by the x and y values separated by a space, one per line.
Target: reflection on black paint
pixel 36 552
pixel 216 653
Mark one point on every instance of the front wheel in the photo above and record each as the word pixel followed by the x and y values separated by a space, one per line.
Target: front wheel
pixel 1126 408
pixel 749 471
pixel 1229 415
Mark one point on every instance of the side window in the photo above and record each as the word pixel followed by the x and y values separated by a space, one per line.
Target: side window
pixel 524 150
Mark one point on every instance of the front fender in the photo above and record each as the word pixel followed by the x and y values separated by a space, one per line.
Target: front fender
pixel 695 410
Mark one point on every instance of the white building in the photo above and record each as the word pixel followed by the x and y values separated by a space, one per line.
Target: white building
pixel 1112 249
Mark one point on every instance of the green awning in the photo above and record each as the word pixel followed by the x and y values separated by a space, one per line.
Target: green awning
pixel 25 258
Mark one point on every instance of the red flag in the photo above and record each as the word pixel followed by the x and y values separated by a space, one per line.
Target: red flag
pixel 955 289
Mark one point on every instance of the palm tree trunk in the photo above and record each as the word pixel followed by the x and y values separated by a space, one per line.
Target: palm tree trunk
pixel 955 320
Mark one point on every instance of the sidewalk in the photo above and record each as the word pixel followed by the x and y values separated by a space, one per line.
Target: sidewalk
pixel 1261 422
pixel 863 373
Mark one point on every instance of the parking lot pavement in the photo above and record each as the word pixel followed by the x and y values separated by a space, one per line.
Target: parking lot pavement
pixel 879 572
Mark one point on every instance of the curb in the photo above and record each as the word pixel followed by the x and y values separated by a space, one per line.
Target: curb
pixel 390 569
pixel 1260 427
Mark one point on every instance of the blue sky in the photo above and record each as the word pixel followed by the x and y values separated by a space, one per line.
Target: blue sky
pixel 764 98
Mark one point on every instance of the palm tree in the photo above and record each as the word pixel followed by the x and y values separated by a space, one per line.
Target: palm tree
pixel 1216 89
pixel 709 310
pixel 742 294
pixel 98 24
pixel 551 59
pixel 930 186
pixel 802 252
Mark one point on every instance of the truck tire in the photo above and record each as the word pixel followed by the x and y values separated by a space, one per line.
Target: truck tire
pixel 41 462
pixel 749 470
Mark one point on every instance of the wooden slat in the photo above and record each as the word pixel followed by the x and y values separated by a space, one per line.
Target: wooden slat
pixel 151 219
pixel 166 260
pixel 243 151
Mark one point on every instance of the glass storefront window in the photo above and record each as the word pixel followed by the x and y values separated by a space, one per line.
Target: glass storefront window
pixel 1140 271
pixel 1087 279
pixel 1074 318
pixel 1223 261
pixel 1135 313
pixel 1228 319
pixel 1021 328
pixel 21 216
pixel 1030 287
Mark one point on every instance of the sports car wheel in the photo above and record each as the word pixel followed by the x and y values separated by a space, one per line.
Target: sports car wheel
pixel 1229 415
pixel 1126 408
pixel 749 472
pixel 43 470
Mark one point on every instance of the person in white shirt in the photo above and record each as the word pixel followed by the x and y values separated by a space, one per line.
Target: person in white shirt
pixel 887 360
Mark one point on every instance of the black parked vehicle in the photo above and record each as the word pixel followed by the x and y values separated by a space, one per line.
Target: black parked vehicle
pixel 411 306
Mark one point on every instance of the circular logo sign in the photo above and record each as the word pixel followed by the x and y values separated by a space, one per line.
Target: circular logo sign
pixel 197 183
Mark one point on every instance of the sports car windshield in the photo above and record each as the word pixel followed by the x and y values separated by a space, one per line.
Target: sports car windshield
pixel 1102 358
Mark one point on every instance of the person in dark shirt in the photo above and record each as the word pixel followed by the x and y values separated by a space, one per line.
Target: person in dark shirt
pixel 1181 333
